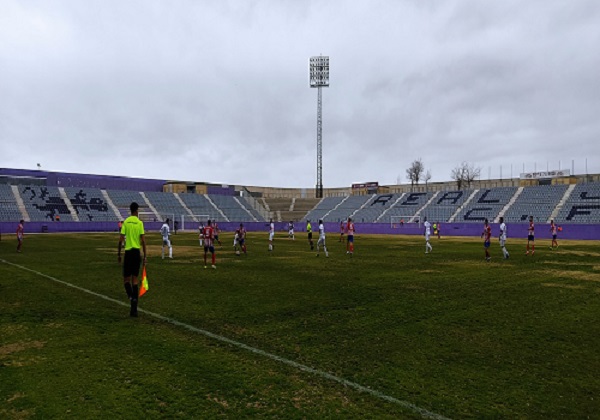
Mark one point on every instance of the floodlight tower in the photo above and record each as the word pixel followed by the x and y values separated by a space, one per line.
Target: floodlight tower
pixel 319 77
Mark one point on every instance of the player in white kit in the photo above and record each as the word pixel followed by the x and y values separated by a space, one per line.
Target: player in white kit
pixel 271 234
pixel 321 240
pixel 428 247
pixel 165 233
pixel 502 238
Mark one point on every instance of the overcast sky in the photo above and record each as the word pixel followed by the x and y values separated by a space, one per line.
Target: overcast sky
pixel 218 91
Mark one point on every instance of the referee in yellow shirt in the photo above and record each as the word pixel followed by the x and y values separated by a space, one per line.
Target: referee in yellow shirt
pixel 132 234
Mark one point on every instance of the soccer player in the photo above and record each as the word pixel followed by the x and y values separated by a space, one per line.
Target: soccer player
pixel 439 230
pixel 166 232
pixel 20 234
pixel 428 247
pixel 209 237
pixel 435 228
pixel 201 234
pixel 240 239
pixel 321 240
pixel 554 233
pixel 486 235
pixel 291 230
pixel 271 234
pixel 502 238
pixel 531 236
pixel 350 237
pixel 309 232
pixel 216 231
pixel 133 228
pixel 342 228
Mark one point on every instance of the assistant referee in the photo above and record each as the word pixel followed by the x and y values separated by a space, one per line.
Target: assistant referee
pixel 132 233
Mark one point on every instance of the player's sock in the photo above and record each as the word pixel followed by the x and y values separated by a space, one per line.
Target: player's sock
pixel 325 249
pixel 170 252
pixel 134 300
pixel 162 252
pixel 213 259
pixel 128 290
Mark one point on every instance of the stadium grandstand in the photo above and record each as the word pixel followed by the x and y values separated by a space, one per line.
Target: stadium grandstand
pixel 85 202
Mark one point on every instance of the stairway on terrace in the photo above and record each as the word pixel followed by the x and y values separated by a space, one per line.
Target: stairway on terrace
pixel 301 208
pixel 286 209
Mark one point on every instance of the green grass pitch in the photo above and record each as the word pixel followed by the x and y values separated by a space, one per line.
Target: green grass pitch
pixel 439 335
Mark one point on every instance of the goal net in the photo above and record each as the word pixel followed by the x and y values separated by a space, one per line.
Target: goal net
pixel 191 222
pixel 150 216
pixel 397 222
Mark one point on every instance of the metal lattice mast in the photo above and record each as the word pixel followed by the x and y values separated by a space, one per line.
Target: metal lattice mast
pixel 319 190
pixel 319 77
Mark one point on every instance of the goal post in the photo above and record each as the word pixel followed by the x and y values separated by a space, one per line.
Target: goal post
pixel 397 222
pixel 192 221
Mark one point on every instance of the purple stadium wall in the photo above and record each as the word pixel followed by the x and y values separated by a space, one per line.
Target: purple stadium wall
pixel 571 231
pixel 65 179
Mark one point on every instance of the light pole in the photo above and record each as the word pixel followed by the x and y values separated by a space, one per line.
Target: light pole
pixel 319 77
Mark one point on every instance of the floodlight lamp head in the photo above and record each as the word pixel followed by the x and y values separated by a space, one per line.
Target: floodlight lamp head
pixel 319 71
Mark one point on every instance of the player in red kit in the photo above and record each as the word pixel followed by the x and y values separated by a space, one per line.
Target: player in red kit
pixel 216 231
pixel 531 236
pixel 486 235
pixel 209 237
pixel 20 234
pixel 350 237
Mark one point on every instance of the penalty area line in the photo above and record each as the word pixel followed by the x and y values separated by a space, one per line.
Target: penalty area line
pixel 356 386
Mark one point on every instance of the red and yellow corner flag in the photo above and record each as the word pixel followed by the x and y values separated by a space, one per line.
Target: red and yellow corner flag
pixel 144 287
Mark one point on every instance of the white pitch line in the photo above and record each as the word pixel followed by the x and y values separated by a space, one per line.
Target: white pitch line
pixel 361 388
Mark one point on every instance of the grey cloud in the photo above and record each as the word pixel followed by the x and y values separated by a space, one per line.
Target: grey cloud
pixel 219 92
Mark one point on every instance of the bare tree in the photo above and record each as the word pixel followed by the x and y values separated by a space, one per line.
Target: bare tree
pixel 457 175
pixel 427 178
pixel 415 171
pixel 465 173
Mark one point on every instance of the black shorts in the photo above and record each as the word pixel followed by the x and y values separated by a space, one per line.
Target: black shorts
pixel 530 238
pixel 131 263
pixel 209 248
pixel 309 236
